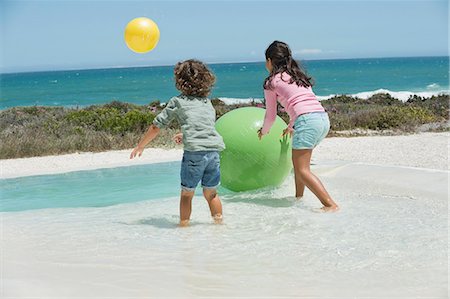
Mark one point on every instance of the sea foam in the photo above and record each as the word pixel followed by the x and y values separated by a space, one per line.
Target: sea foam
pixel 401 95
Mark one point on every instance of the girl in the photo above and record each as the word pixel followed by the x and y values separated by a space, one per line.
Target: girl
pixel 309 123
pixel 202 143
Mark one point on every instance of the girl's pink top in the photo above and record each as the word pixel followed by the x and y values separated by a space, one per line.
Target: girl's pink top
pixel 296 100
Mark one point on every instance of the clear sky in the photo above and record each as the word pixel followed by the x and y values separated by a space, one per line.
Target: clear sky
pixel 53 35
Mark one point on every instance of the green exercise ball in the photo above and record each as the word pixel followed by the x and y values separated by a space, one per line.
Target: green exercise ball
pixel 248 163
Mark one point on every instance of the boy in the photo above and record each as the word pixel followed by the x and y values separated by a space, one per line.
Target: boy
pixel 202 143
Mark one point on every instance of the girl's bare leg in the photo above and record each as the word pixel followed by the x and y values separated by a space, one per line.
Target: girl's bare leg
pixel 301 160
pixel 299 185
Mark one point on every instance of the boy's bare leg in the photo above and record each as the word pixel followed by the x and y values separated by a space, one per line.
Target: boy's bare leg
pixel 185 207
pixel 215 206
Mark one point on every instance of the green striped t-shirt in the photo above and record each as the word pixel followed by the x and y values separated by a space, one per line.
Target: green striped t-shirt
pixel 197 118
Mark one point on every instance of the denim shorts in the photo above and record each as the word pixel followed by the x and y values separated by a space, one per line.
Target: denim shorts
pixel 310 129
pixel 199 166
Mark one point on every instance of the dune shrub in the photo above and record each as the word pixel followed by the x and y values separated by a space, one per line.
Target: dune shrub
pixel 38 131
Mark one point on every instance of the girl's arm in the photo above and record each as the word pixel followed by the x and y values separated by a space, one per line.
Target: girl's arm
pixel 271 110
pixel 151 133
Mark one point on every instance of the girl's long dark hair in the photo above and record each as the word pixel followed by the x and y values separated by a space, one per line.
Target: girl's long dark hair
pixel 282 61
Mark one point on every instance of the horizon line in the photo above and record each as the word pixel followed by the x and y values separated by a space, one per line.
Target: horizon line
pixel 208 63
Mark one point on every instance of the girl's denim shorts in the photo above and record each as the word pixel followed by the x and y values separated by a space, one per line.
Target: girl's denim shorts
pixel 199 166
pixel 310 129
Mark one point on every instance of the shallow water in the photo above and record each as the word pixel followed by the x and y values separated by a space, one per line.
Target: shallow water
pixel 389 240
pixel 94 188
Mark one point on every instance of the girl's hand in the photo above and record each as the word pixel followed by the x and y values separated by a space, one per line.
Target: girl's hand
pixel 178 138
pixel 286 131
pixel 260 134
pixel 136 151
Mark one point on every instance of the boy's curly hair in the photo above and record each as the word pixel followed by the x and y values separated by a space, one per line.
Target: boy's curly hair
pixel 193 78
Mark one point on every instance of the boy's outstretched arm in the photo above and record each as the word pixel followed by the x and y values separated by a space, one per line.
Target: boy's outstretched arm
pixel 162 120
pixel 151 133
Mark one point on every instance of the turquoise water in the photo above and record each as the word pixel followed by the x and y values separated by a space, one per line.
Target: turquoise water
pixel 234 80
pixel 92 188
pixel 270 245
pixel 95 188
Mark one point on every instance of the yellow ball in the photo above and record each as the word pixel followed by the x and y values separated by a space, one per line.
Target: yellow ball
pixel 141 35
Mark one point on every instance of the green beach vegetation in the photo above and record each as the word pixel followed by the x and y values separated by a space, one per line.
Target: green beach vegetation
pixel 40 131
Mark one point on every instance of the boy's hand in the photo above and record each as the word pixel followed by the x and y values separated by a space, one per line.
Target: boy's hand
pixel 178 138
pixel 286 131
pixel 136 151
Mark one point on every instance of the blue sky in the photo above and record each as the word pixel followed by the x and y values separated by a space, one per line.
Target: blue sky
pixel 54 35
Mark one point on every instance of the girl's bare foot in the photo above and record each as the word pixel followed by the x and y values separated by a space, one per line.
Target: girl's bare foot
pixel 183 223
pixel 218 218
pixel 330 209
pixel 299 198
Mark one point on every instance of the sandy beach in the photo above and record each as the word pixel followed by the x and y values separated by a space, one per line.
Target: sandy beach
pixel 393 193
pixel 425 150
pixel 83 82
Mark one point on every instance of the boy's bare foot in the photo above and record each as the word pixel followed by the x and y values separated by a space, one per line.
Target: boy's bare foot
pixel 299 198
pixel 218 218
pixel 183 223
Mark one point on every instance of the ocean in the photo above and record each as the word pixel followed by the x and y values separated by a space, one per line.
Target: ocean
pixel 236 82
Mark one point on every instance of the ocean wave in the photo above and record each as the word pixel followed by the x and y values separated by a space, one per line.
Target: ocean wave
pixel 234 101
pixel 401 95
pixel 433 86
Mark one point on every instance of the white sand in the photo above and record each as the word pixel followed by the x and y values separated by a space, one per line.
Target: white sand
pixel 390 240
pixel 83 161
pixel 426 150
